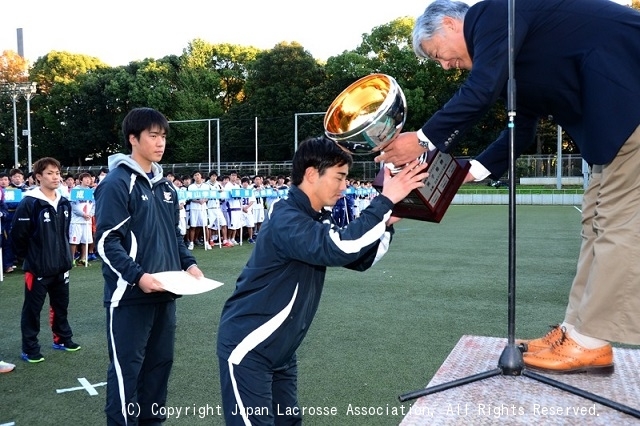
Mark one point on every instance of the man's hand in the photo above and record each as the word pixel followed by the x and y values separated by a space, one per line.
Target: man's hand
pixel 392 220
pixel 148 284
pixel 195 271
pixel 396 188
pixel 469 178
pixel 402 150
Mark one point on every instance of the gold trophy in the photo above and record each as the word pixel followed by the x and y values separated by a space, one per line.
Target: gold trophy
pixel 366 117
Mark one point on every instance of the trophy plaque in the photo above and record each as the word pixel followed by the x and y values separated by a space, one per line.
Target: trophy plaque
pixel 431 202
pixel 366 117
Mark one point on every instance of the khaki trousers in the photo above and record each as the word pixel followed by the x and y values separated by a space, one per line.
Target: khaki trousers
pixel 604 301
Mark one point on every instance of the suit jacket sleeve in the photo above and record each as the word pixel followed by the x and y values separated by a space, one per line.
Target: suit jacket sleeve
pixel 496 156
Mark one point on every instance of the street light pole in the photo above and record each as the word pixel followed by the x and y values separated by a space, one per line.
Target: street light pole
pixel 27 97
pixel 14 98
pixel 14 90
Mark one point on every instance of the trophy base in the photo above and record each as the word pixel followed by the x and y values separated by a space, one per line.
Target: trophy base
pixel 430 203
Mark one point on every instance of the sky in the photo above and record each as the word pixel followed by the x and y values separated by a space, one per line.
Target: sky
pixel 120 31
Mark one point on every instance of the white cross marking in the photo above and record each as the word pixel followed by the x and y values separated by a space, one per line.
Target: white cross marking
pixel 91 389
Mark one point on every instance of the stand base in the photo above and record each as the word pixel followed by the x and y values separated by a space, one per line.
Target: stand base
pixel 523 399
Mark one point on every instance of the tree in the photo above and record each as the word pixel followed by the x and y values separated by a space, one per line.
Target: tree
pixel 227 63
pixel 210 81
pixel 69 112
pixel 13 67
pixel 280 83
pixel 76 120
pixel 61 67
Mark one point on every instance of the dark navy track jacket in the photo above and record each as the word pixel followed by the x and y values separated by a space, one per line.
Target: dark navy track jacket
pixel 278 291
pixel 137 231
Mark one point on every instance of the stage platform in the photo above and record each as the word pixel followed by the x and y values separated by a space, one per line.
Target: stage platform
pixel 508 400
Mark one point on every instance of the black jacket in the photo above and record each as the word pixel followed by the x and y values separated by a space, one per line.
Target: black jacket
pixel 40 234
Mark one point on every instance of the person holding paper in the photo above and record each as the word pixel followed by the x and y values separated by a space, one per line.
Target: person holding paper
pixel 137 213
pixel 278 291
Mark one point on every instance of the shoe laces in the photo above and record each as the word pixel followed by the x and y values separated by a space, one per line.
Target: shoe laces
pixel 562 338
pixel 553 330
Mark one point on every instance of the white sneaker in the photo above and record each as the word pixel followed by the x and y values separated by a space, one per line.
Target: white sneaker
pixel 6 367
pixel 207 246
pixel 190 246
pixel 234 242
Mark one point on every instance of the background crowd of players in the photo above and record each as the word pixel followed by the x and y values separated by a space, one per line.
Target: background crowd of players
pixel 203 222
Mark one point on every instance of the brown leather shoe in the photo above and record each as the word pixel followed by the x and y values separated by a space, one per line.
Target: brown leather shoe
pixel 544 342
pixel 567 357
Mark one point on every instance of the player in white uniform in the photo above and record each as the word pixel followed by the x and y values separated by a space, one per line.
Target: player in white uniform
pixel 234 207
pixel 248 204
pixel 258 207
pixel 182 224
pixel 217 219
pixel 82 212
pixel 198 218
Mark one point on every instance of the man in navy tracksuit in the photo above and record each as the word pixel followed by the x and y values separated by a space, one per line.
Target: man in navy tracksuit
pixel 40 235
pixel 137 215
pixel 278 291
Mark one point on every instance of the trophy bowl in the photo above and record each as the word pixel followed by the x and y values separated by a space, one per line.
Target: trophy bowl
pixel 367 115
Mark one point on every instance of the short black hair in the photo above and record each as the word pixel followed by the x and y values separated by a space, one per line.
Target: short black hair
pixel 320 153
pixel 40 165
pixel 15 171
pixel 140 119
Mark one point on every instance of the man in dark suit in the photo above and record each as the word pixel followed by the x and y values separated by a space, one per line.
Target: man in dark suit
pixel 579 61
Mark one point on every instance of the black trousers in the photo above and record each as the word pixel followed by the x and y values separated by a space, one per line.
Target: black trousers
pixel 35 292
pixel 141 342
pixel 254 394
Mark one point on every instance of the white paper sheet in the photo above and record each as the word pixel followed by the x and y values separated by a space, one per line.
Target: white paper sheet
pixel 182 282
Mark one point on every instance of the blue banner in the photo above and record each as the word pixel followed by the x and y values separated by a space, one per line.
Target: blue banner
pixel 81 194
pixel 86 194
pixel 12 195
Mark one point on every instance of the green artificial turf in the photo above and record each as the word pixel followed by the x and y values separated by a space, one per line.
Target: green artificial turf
pixel 377 334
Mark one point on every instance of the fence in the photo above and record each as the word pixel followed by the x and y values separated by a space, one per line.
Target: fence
pixel 529 166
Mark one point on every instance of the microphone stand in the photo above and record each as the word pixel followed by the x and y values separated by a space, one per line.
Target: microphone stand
pixel 511 362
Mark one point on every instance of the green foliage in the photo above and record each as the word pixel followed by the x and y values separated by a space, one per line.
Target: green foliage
pixel 275 100
pixel 81 101
pixel 61 68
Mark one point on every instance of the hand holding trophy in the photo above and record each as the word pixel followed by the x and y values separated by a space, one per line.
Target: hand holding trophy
pixel 366 117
